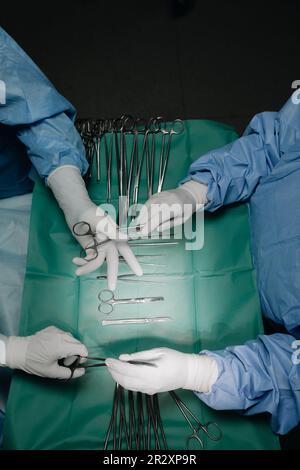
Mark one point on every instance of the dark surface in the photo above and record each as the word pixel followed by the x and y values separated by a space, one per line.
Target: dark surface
pixel 222 60
pixel 219 60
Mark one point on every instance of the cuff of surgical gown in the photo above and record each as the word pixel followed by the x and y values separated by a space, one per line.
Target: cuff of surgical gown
pixel 222 395
pixel 205 177
pixel 67 161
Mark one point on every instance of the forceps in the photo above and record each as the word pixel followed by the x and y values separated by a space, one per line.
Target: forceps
pixel 77 364
pixel 108 300
pixel 210 429
pixel 177 128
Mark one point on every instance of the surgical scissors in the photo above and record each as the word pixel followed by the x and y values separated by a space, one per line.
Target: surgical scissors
pixel 85 231
pixel 108 300
pixel 210 429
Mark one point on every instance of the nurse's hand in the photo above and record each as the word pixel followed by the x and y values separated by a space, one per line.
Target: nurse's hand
pixel 171 208
pixel 70 191
pixel 39 354
pixel 163 370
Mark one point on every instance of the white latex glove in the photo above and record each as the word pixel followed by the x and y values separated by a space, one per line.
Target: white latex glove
pixel 70 192
pixel 39 354
pixel 111 252
pixel 168 370
pixel 171 208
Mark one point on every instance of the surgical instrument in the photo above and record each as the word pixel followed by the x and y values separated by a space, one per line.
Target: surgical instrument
pixel 176 129
pixel 78 363
pixel 84 231
pixel 129 277
pixel 108 301
pixel 146 257
pixel 210 429
pixel 135 422
pixel 136 321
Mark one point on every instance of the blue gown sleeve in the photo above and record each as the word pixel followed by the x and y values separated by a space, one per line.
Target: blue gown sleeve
pixel 43 119
pixel 233 172
pixel 260 376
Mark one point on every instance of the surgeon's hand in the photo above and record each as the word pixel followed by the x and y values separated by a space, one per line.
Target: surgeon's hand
pixel 171 208
pixel 111 251
pixel 70 192
pixel 39 354
pixel 166 370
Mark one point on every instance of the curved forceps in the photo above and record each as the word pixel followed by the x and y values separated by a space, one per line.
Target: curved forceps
pixel 211 429
pixel 108 300
pixel 177 127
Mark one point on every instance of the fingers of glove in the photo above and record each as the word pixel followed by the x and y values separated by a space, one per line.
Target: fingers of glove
pixel 58 372
pixel 130 370
pixel 112 260
pixel 52 329
pixel 83 261
pixel 84 241
pixel 78 373
pixel 127 253
pixel 71 348
pixel 150 355
pixel 64 373
pixel 91 266
pixel 127 383
pixel 79 261
pixel 69 360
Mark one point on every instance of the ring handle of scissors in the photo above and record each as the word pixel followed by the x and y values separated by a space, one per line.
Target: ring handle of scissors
pixel 105 307
pixel 196 438
pixel 84 252
pixel 106 296
pixel 128 123
pixel 212 430
pixel 84 232
pixel 177 127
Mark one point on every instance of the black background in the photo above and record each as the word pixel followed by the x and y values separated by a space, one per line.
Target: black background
pixel 224 61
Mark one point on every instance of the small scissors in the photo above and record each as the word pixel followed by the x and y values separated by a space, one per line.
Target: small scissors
pixel 108 300
pixel 82 229
pixel 211 429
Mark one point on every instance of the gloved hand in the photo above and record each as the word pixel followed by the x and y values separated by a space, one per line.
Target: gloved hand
pixel 39 354
pixel 167 370
pixel 70 192
pixel 171 208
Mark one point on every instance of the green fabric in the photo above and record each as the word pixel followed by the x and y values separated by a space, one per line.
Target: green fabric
pixel 211 295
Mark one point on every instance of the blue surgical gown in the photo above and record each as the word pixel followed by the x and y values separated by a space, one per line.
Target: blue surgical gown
pixel 263 169
pixel 35 122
